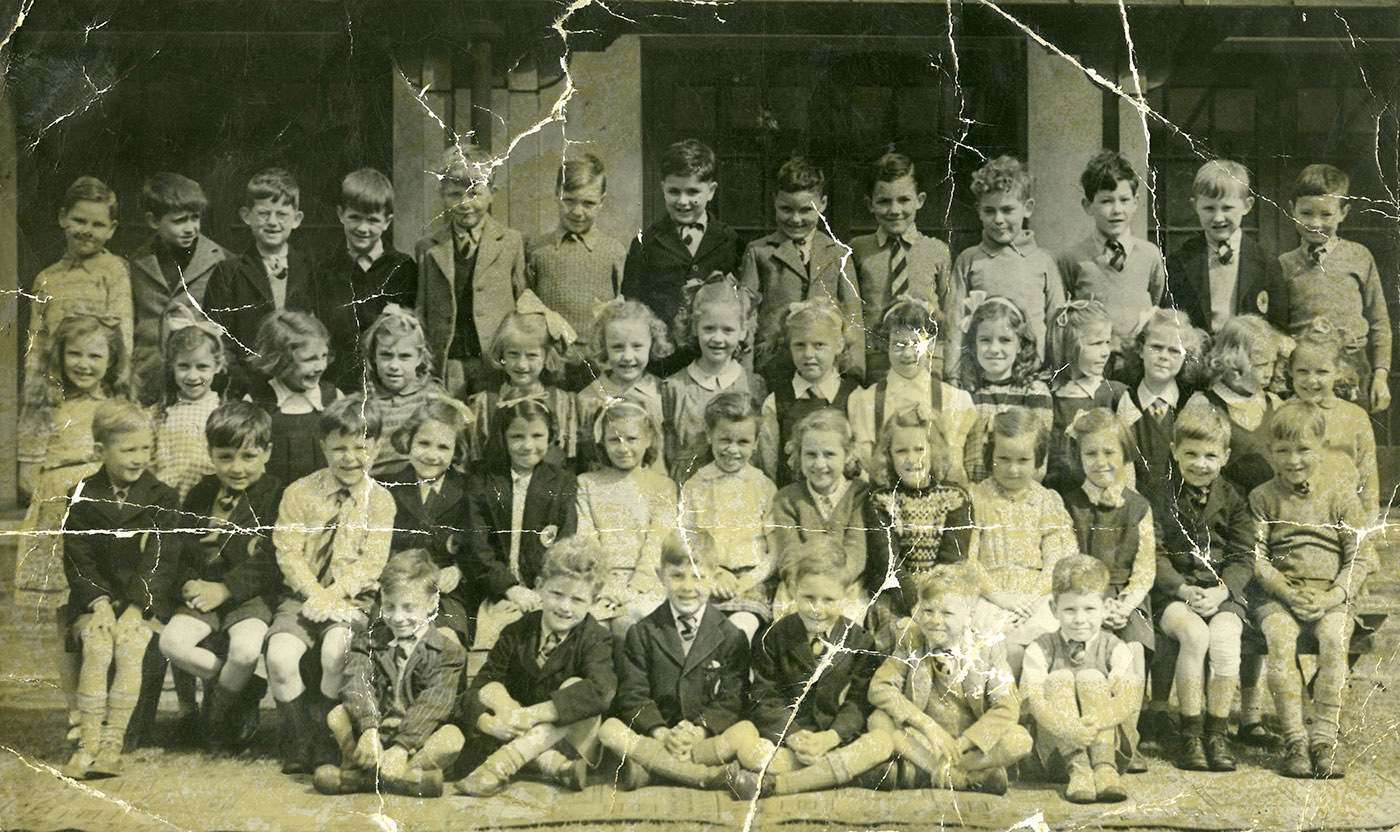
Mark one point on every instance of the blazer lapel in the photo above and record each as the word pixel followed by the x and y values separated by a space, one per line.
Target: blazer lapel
pixel 255 274
pixel 443 254
pixel 708 243
pixel 707 638
pixel 786 253
pixel 490 250
pixel 669 238
pixel 147 263
pixel 667 635
pixel 205 257
pixel 1200 277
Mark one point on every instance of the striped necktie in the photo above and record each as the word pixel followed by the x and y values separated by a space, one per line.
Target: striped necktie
pixel 899 282
pixel 1117 255
pixel 1224 252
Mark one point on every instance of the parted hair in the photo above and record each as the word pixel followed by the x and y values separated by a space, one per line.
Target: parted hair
pixel 820 555
pixel 118 417
pixel 367 190
pixel 689 157
pixel 1012 423
pixel 237 423
pixel 1078 574
pixel 441 411
pixel 805 315
pixel 1221 178
pixel 167 193
pixel 1295 420
pixel 1003 310
pixel 410 569
pixel 352 415
pixel 90 189
pixel 1103 173
pixel 916 417
pixel 573 557
pixel 1201 421
pixel 800 174
pixel 1320 180
pixel 579 172
pixel 826 419
pixel 891 167
pixel 496 454
pixel 275 184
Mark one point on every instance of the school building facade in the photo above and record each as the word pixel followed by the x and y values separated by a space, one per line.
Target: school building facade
pixel 218 90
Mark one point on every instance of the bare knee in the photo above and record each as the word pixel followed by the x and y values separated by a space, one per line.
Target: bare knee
pixel 1089 676
pixel 613 734
pixel 243 649
pixel 284 654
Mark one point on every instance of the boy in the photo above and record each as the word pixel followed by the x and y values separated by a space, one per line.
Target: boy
pixel 270 276
pixel 173 267
pixel 1007 262
pixel 1112 266
pixel 949 703
pixel 332 539
pixel 1203 565
pixel 471 268
pixel 1337 280
pixel 683 668
pixel 363 275
pixel 1309 566
pixel 800 261
pixel 811 670
pixel 897 261
pixel 548 679
pixel 1223 273
pixel 227 573
pixel 686 244
pixel 574 267
pixel 117 560
pixel 1080 686
pixel 402 676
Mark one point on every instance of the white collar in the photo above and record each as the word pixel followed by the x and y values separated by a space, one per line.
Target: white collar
pixel 285 393
pixel 1171 395
pixel 722 380
pixel 826 388
pixel 911 235
pixel 676 615
pixel 1126 241
pixel 373 254
pixel 834 498
pixel 1234 241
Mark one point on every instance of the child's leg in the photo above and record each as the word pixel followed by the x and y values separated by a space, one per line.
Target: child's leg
pixel 440 750
pixel 716 750
pixel 98 647
pixel 1192 635
pixel 128 654
pixel 503 764
pixel 652 755
pixel 1333 641
pixel 1226 629
pixel 179 641
pixel 1014 746
pixel 338 720
pixel 335 645
pixel 839 766
pixel 284 652
pixel 1281 632
pixel 1252 692
pixel 756 753
pixel 1096 697
pixel 245 641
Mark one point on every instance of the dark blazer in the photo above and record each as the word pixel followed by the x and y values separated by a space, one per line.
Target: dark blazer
pixel 661 684
pixel 1203 546
pixel 550 501
pixel 349 300
pixel 153 294
pixel 432 676
pixel 585 653
pixel 1261 288
pixel 245 561
pixel 239 295
pixel 121 551
pixel 783 662
pixel 440 525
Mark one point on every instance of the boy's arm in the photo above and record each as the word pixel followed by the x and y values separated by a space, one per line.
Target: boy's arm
pixel 518 282
pixel 727 698
pixel 81 552
pixel 850 719
pixel 634 268
pixel 1157 278
pixel 1357 549
pixel 434 705
pixel 1054 290
pixel 488 557
pixel 497 668
pixel 1169 580
pixel 768 450
pixel 635 705
pixel 1266 574
pixel 363 574
pixel 887 690
pixel 1368 470
pixel 162 555
pixel 1373 308
pixel 772 710
pixel 957 295
pixel 1034 671
pixel 1237 535
pixel 358 695
pixel 120 304
pixel 1003 706
pixel 592 695
pixel 849 296
pixel 290 538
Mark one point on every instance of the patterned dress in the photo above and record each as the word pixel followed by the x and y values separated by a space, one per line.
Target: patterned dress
pixel 182 453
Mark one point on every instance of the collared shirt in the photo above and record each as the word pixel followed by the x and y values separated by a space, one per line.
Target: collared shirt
pixel 360 546
pixel 295 402
pixel 910 236
pixel 466 243
pixel 827 503
pixel 718 382
pixel 698 227
pixel 428 488
pixel 698 616
pixel 519 486
pixel 1224 280
pixel 825 388
pixel 1169 396
pixel 366 259
pixel 1126 241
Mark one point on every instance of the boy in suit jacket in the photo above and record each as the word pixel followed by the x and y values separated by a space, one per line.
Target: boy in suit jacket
pixel 950 705
pixel 547 681
pixel 686 244
pixel 800 261
pixel 808 729
pixel 471 268
pixel 402 686
pixel 683 671
pixel 1223 273
pixel 897 261
pixel 430 515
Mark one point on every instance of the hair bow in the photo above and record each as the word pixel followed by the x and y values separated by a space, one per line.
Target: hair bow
pixel 529 303
pixel 468 417
pixel 694 284
pixel 393 310
pixel 1074 422
pixel 977 298
pixel 615 405
pixel 539 396
pixel 1144 318
pixel 603 307
pixel 1081 305
pixel 180 316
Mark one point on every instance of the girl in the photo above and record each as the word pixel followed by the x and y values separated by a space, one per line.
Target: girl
pixel 398 376
pixel 518 503
pixel 1023 530
pixel 1168 350
pixel 627 336
pixel 724 509
pixel 999 360
pixel 910 329
pixel 291 354
pixel 530 343
pixel 719 317
pixel 194 362
pixel 1315 364
pixel 915 524
pixel 430 497
pixel 1081 337
pixel 627 508
pixel 826 499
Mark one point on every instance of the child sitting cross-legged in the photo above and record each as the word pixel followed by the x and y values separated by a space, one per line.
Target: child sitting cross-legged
pixel 1081 687
pixel 547 681
pixel 401 684
pixel 949 702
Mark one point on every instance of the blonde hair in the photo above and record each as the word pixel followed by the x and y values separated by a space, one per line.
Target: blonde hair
pixel 717 289
pixel 625 309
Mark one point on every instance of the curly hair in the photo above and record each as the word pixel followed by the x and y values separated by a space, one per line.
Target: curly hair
pixel 279 334
pixel 49 391
pixel 1230 360
pixel 527 328
pixel 1078 574
pixel 442 411
pixel 827 419
pixel 717 289
pixel 409 570
pixel 617 409
pixel 804 315
pixel 1192 341
pixel 625 309
pixel 573 558
pixel 1000 310
pixel 1004 174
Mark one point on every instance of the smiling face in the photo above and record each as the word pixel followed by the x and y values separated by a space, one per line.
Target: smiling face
pixel 396 362
pixel 798 213
pixel 1162 355
pixel 719 328
pixel 943 619
pixel 176 229
pixel 626 440
pixel 628 344
pixel 1295 461
pixel 1113 210
pixel 195 369
pixel 1199 460
pixel 895 204
pixel 349 456
pixel 911 352
pixel 1314 374
pixel 466 206
pixel 238 468
pixel 686 198
pixel 579 208
pixel 911 456
pixel 814 348
pixel 1003 215
pixel 997 345
pixel 363 229
pixel 407 609
pixel 1317 217
pixel 127 455
pixel 1013 461
pixel 272 222
pixel 1095 344
pixel 817 600
pixel 85 362
pixel 527 440
pixel 1101 454
pixel 523 360
pixel 88 226
pixel 1220 217
pixel 565 601
pixel 732 443
pixel 431 450
pixel 823 460
pixel 1080 614
pixel 308 363
pixel 687 586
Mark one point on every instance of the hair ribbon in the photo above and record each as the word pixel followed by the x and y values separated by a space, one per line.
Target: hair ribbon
pixel 559 329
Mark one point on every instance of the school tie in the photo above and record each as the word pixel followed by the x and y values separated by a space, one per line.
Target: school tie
pixel 573 237
pixel 1315 253
pixel 1157 410
pixel 1076 651
pixel 225 502
pixel 344 503
pixel 899 281
pixel 942 663
pixel 1302 489
pixel 1117 255
pixel 818 646
pixel 401 649
pixel 119 495
pixel 547 644
pixel 466 246
pixel 276 267
pixel 690 237
pixel 687 628
pixel 1224 252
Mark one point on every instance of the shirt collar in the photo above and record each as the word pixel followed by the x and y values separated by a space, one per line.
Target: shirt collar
pixel 72 261
pixel 521 481
pixel 1025 497
pixel 367 258
pixel 473 234
pixel 1092 639
pixel 1234 241
pixel 910 236
pixel 586 237
pixel 826 503
pixel 285 394
pixel 1171 395
pixel 646 390
pixel 1110 497
pixel 722 380
pixel 1233 397
pixel 1126 241
pixel 827 387
pixel 676 615
pixel 1024 245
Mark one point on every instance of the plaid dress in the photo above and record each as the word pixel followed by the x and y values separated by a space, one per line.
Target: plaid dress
pixel 182 453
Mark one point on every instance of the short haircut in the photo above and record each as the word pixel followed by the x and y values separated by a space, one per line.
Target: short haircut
pixel 626 409
pixel 467 165
pixel 90 189
pixel 1103 173
pixel 1221 178
pixel 575 558
pixel 827 419
pixel 1067 326
pixel 1295 420
pixel 1320 180
pixel 496 453
pixel 1201 421
pixel 676 551
pixel 800 174
pixel 821 555
pixel 275 184
pixel 1229 359
pixel 279 334
pixel 368 191
pixel 891 167
pixel 118 417
pixel 921 418
pixel 802 315
pixel 443 411
pixel 716 290
pixel 945 580
pixel 1078 574
pixel 351 415
pixel 625 309
pixel 170 193
pixel 729 406
pixel 689 157
pixel 409 570
pixel 187 339
pixel 1013 423
pixel 235 424
pixel 1004 174
pixel 579 172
